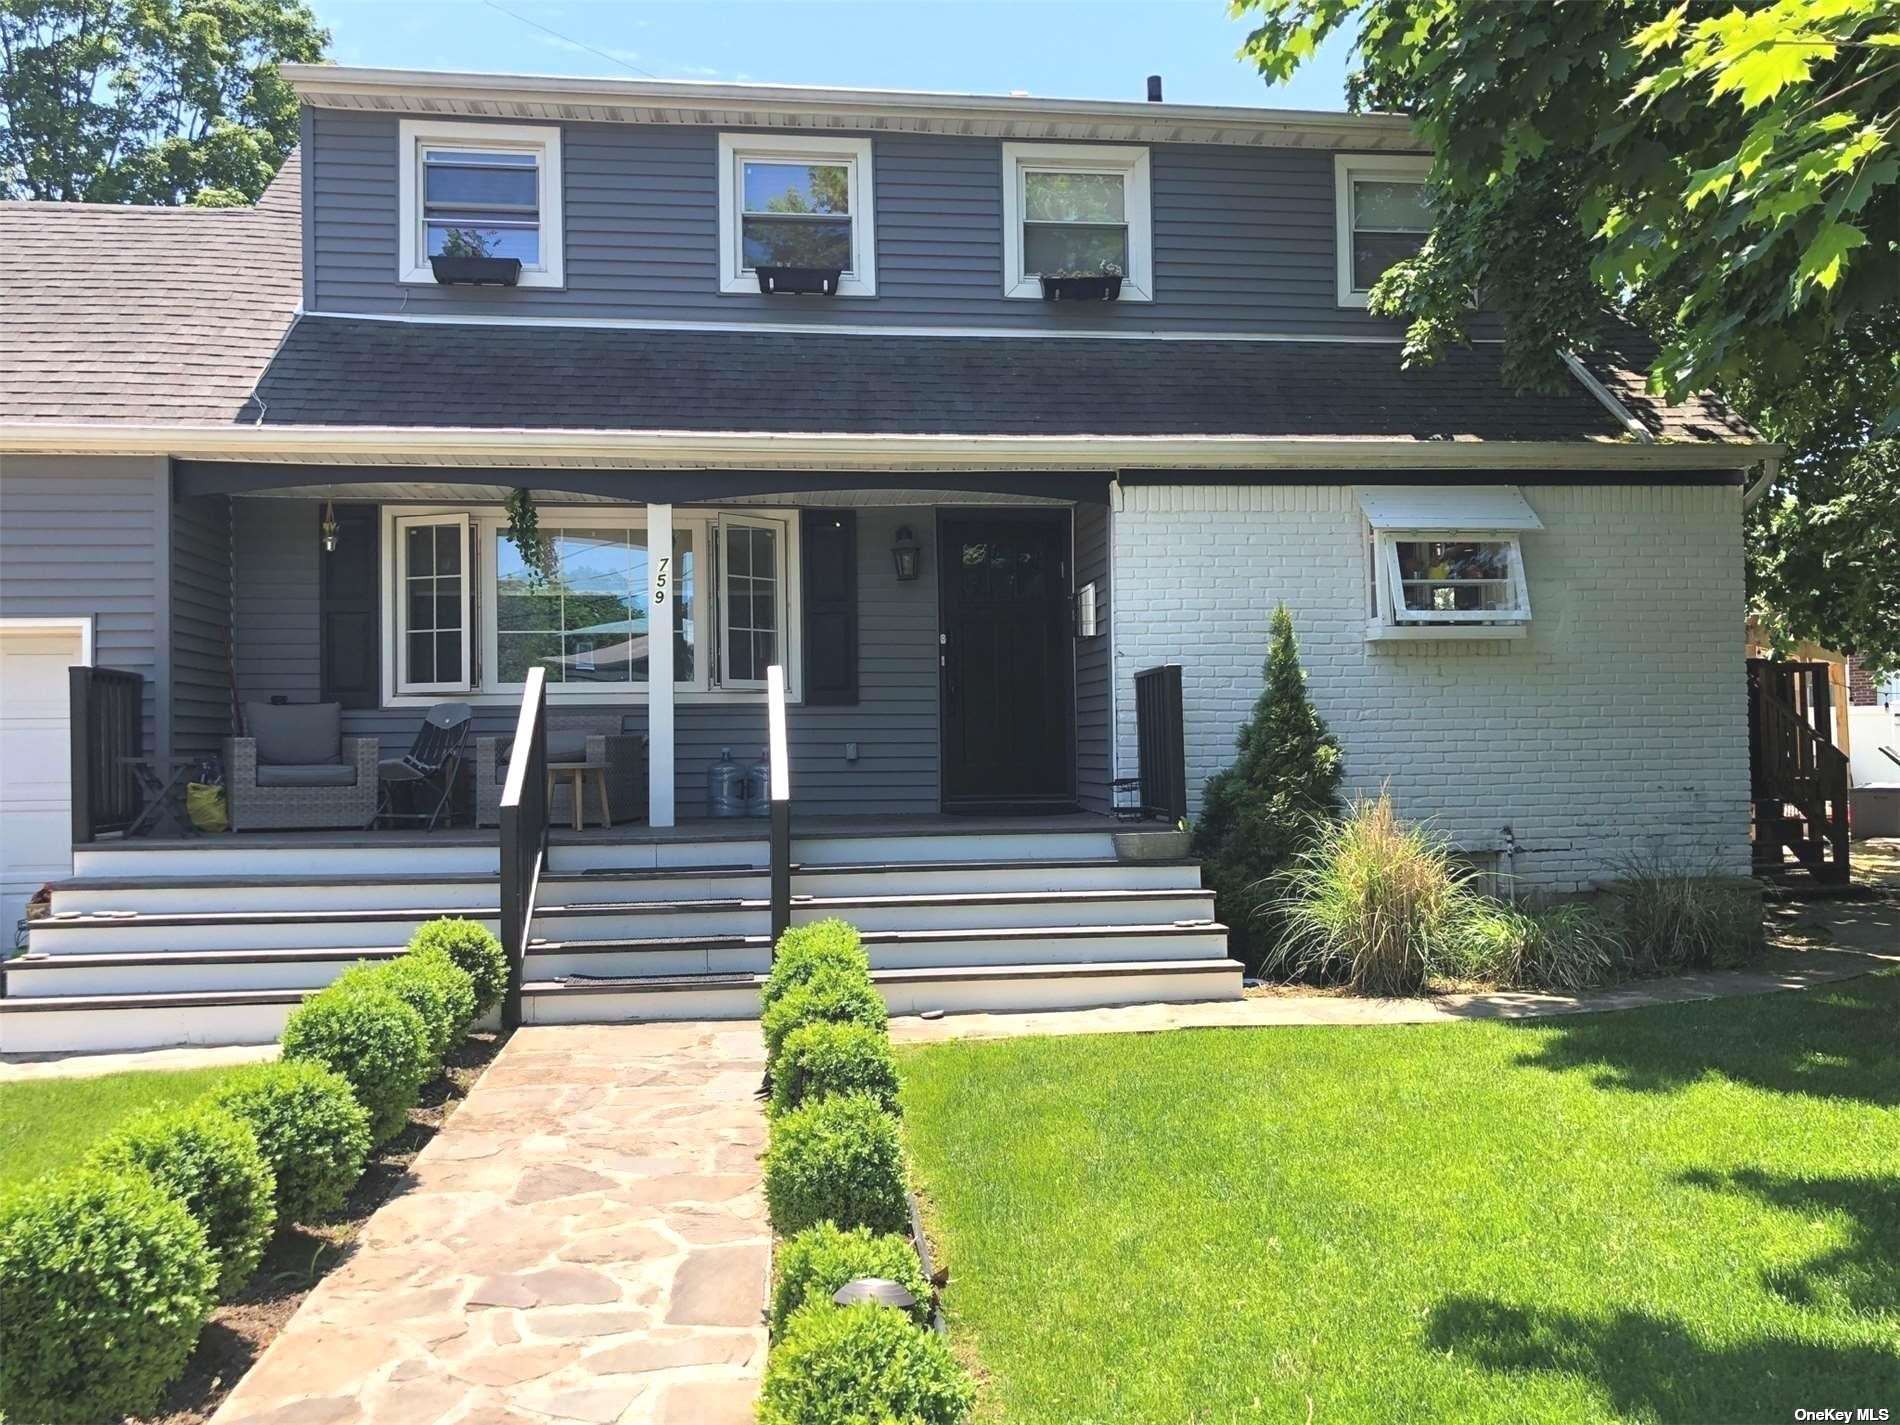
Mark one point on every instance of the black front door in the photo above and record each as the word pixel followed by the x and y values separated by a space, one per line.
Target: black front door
pixel 1007 664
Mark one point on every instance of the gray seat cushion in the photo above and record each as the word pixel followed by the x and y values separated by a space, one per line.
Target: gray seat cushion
pixel 318 774
pixel 296 734
pixel 562 747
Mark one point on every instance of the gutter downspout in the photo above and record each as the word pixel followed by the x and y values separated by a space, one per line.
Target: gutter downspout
pixel 1770 468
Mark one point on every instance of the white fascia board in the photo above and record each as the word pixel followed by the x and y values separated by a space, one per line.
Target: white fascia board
pixel 331 445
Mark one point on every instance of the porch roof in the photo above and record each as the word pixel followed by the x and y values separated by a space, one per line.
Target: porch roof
pixel 337 371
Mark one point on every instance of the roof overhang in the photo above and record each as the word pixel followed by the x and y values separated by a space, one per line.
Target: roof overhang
pixel 773 106
pixel 730 450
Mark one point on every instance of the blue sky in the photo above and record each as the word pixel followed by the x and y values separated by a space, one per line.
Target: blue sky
pixel 1091 49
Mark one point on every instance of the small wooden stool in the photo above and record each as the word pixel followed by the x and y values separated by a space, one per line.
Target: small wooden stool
pixel 578 775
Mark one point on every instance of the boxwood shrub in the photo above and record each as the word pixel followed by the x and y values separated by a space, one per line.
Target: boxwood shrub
pixel 105 1281
pixel 309 1127
pixel 371 1038
pixel 475 949
pixel 848 1365
pixel 838 1158
pixel 828 1058
pixel 834 994
pixel 813 1265
pixel 805 949
pixel 432 985
pixel 210 1162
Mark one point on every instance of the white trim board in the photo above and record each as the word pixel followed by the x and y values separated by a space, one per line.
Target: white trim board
pixel 82 624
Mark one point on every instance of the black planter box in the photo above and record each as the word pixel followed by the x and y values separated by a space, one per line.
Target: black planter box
pixel 811 281
pixel 476 271
pixel 1102 287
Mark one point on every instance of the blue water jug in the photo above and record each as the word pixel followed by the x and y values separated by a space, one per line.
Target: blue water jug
pixel 758 791
pixel 725 786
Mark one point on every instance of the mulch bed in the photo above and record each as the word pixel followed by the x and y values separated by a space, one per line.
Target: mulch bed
pixel 301 1256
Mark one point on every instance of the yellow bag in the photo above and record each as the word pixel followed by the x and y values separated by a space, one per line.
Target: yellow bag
pixel 204 804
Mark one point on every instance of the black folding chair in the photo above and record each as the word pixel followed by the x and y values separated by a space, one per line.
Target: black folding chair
pixel 429 768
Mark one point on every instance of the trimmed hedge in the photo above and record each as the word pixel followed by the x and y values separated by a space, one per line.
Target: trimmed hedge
pixel 210 1162
pixel 834 994
pixel 813 1265
pixel 854 1364
pixel 840 1159
pixel 828 1058
pixel 474 949
pixel 372 1039
pixel 431 984
pixel 309 1127
pixel 803 950
pixel 105 1281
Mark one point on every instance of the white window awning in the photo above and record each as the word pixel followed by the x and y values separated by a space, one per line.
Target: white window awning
pixel 1446 507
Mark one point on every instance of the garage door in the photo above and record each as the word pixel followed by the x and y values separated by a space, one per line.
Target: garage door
pixel 36 826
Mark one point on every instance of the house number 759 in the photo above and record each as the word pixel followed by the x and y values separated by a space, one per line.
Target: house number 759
pixel 659 580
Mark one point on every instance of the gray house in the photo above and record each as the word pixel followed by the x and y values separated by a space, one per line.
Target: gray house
pixel 990 422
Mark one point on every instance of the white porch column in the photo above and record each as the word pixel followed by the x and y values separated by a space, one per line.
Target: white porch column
pixel 662 582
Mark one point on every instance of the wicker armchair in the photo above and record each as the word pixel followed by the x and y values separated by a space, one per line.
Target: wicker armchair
pixel 588 740
pixel 332 785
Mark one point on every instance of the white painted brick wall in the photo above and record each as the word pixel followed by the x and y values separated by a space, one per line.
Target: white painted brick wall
pixel 1618 727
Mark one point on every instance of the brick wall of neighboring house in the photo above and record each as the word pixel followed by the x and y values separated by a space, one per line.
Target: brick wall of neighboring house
pixel 1618 727
pixel 1862 691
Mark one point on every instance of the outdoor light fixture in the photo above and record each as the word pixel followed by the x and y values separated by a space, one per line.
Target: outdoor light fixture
pixel 881 1290
pixel 329 528
pixel 907 553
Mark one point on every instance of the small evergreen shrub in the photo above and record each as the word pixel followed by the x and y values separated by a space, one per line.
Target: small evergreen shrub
pixel 309 1127
pixel 372 1039
pixel 105 1282
pixel 1267 807
pixel 1670 919
pixel 840 1159
pixel 827 1058
pixel 859 1364
pixel 813 1265
pixel 834 994
pixel 1371 903
pixel 431 984
pixel 210 1162
pixel 803 950
pixel 475 949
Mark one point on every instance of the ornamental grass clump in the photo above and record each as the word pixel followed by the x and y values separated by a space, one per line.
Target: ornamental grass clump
pixel 1563 948
pixel 811 1266
pixel 374 1040
pixel 475 949
pixel 309 1127
pixel 835 994
pixel 209 1161
pixel 828 1058
pixel 106 1279
pixel 804 950
pixel 1670 919
pixel 1371 903
pixel 839 1159
pixel 854 1365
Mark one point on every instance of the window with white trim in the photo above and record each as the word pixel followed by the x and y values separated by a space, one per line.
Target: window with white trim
pixel 1381 217
pixel 1433 577
pixel 1071 209
pixel 465 613
pixel 480 190
pixel 796 200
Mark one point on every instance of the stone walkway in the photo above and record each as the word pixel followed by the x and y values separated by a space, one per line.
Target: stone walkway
pixel 585 1240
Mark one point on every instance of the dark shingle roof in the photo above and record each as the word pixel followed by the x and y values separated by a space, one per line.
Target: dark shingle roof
pixel 118 314
pixel 337 371
pixel 1622 361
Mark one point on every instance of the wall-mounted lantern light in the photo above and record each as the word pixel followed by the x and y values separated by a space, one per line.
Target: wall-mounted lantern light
pixel 329 528
pixel 906 553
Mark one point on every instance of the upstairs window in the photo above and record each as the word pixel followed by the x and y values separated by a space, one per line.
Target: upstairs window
pixel 1070 208
pixel 1382 218
pixel 481 190
pixel 796 200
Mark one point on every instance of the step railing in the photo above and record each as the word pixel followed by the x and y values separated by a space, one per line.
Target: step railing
pixel 781 796
pixel 107 724
pixel 524 834
pixel 1793 763
pixel 1161 743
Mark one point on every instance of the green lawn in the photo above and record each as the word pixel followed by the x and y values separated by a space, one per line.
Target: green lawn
pixel 49 1123
pixel 1684 1214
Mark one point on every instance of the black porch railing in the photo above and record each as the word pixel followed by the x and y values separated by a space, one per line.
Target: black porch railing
pixel 781 794
pixel 1161 743
pixel 524 834
pixel 108 735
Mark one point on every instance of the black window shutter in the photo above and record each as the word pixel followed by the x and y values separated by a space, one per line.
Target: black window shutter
pixel 348 615
pixel 830 592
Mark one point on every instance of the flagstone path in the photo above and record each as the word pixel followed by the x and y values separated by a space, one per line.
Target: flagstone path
pixel 585 1241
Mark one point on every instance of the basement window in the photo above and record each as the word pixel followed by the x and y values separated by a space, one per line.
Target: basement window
pixel 1447 561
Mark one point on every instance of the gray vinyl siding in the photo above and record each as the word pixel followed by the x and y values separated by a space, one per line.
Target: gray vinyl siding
pixel 200 625
pixel 1243 237
pixel 83 537
pixel 1094 712
pixel 275 554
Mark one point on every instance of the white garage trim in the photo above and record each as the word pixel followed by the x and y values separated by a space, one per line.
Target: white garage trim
pixel 82 626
